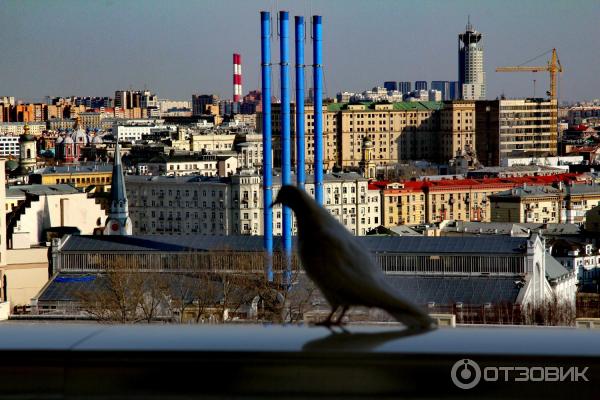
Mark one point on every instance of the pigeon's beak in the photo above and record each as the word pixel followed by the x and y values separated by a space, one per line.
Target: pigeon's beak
pixel 274 203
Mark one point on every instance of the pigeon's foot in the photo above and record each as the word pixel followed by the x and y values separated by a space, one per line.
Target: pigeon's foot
pixel 328 323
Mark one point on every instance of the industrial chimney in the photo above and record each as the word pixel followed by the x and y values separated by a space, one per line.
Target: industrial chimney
pixel 318 106
pixel 267 170
pixel 237 78
pixel 286 159
pixel 300 145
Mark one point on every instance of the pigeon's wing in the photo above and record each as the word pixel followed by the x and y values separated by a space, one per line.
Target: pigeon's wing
pixel 358 278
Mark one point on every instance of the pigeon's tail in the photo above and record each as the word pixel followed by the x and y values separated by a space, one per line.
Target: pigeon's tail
pixel 413 320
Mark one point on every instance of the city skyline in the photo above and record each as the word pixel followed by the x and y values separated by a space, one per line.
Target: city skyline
pixel 105 46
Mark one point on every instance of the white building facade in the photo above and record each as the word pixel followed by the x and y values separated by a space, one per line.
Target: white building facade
pixel 234 206
pixel 9 146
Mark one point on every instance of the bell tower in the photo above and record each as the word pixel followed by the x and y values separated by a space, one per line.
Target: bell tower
pixel 367 164
pixel 27 150
pixel 118 221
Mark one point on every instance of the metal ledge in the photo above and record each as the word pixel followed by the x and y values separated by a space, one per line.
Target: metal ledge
pixel 231 361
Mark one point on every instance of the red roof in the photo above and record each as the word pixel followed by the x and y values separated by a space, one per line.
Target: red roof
pixel 583 149
pixel 455 183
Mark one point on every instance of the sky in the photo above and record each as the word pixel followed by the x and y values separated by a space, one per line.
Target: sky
pixel 180 47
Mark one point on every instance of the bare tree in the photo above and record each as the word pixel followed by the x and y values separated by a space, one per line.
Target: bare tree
pixel 151 290
pixel 297 292
pixel 552 312
pixel 217 283
pixel 116 296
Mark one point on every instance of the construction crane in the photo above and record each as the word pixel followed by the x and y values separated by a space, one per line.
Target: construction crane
pixel 553 67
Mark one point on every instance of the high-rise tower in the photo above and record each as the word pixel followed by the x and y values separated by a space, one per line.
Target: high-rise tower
pixel 471 78
pixel 118 221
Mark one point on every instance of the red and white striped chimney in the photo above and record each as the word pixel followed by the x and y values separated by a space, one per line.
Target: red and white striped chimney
pixel 237 78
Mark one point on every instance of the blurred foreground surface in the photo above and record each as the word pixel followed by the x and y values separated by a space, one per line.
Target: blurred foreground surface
pixel 254 361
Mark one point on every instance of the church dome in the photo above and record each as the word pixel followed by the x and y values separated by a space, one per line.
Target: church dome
pixel 26 136
pixel 11 165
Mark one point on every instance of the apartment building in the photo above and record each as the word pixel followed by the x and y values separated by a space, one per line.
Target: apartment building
pixel 212 142
pixel 402 204
pixel 546 204
pixel 91 120
pixel 9 146
pixel 249 150
pixel 398 131
pixel 18 128
pixel 79 176
pixel 133 131
pixel 457 123
pixel 330 135
pixel 347 196
pixel 234 205
pixel 191 164
pixel 419 202
pixel 515 128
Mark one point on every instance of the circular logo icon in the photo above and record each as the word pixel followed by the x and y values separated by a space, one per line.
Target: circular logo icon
pixel 465 374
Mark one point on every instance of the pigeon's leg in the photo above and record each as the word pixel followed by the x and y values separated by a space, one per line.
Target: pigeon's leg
pixel 328 322
pixel 339 322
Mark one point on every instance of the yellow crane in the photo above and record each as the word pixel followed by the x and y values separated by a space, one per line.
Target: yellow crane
pixel 553 67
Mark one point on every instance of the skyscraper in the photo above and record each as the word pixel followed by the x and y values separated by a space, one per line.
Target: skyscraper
pixel 420 85
pixel 404 87
pixel 454 90
pixel 471 77
pixel 390 85
pixel 442 86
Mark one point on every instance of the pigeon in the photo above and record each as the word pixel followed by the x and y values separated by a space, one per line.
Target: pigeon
pixel 344 270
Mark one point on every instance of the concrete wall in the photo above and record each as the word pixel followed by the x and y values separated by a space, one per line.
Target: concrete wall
pixel 23 282
pixel 4 310
pixel 54 211
pixel 27 256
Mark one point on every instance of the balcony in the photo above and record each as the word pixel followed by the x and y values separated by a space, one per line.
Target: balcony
pixel 256 361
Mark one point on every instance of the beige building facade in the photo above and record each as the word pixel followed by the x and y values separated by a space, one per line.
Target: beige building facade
pixel 546 204
pixel 212 142
pixel 435 131
pixel 457 123
pixel 427 202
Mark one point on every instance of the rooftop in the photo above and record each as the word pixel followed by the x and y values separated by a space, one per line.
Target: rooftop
pixel 452 183
pixel 404 105
pixel 378 244
pixel 336 177
pixel 506 228
pixel 73 169
pixel 543 191
pixel 40 190
pixel 518 168
pixel 554 269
